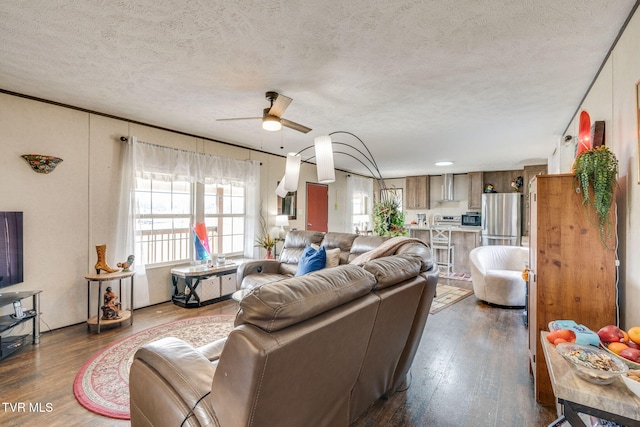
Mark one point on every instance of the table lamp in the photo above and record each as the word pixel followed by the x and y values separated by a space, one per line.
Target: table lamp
pixel 282 221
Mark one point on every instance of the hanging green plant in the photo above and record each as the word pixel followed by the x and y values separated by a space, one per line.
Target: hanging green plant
pixel 388 219
pixel 596 170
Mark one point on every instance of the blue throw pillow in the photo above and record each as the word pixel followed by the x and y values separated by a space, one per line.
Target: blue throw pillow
pixel 311 260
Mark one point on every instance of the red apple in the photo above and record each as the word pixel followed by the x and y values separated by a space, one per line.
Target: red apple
pixel 610 333
pixel 632 354
pixel 631 344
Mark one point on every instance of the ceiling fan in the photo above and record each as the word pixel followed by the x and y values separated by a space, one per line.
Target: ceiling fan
pixel 272 117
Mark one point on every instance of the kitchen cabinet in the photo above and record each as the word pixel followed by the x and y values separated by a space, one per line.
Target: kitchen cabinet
pixel 476 185
pixel 573 275
pixel 417 192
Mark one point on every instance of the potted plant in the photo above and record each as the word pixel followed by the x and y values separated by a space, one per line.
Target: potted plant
pixel 388 219
pixel 265 240
pixel 596 171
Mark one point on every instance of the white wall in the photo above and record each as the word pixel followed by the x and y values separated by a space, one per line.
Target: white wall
pixel 71 210
pixel 613 100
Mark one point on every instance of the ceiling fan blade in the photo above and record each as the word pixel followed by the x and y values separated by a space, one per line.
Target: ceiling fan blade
pixel 279 105
pixel 295 126
pixel 238 118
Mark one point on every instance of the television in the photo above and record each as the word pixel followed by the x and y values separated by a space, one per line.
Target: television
pixel 11 257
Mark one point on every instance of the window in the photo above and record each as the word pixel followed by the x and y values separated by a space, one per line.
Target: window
pixel 224 213
pixel 163 222
pixel 166 216
pixel 165 192
pixel 360 192
pixel 361 213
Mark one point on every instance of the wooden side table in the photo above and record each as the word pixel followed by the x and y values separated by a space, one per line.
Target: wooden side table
pixel 125 314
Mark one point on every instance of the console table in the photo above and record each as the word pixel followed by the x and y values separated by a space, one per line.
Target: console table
pixel 197 292
pixel 612 402
pixel 106 277
pixel 12 343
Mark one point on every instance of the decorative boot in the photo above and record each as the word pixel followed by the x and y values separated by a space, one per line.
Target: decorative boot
pixel 102 260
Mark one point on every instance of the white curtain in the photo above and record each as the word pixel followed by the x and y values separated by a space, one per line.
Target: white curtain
pixel 125 242
pixel 358 187
pixel 170 164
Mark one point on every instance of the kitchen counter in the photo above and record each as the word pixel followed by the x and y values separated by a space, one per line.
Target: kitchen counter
pixel 464 239
pixel 462 228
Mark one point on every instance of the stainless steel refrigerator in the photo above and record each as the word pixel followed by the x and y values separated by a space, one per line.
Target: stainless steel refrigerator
pixel 501 219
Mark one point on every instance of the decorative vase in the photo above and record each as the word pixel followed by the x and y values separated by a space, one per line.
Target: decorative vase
pixel 269 254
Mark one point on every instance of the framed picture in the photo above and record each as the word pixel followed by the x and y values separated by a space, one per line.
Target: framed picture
pixel 638 124
pixel 287 204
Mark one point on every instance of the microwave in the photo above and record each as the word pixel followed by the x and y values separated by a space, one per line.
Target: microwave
pixel 471 219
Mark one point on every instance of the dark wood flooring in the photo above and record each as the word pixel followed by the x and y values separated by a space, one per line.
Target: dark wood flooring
pixel 471 370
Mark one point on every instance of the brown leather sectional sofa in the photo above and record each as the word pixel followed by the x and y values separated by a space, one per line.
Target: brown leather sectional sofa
pixel 259 272
pixel 313 350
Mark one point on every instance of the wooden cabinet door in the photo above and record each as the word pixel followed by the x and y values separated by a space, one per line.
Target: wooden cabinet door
pixel 475 190
pixel 417 192
pixel 574 274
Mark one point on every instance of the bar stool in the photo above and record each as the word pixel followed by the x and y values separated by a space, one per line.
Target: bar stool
pixel 441 241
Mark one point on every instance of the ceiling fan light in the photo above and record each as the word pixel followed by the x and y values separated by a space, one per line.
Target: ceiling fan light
pixel 324 159
pixel 292 172
pixel 271 123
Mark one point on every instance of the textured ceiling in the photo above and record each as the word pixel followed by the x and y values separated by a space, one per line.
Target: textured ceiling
pixel 488 84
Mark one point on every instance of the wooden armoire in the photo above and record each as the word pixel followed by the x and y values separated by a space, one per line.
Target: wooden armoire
pixel 573 274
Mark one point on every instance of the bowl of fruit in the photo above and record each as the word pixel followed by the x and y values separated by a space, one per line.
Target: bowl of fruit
pixel 592 363
pixel 625 345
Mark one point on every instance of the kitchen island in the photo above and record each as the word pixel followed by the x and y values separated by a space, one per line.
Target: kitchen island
pixel 464 239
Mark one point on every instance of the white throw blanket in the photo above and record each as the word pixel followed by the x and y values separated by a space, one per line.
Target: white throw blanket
pixel 388 247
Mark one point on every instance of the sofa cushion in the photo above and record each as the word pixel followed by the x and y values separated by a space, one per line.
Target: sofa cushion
pixel 311 260
pixel 296 299
pixel 363 244
pixel 333 257
pixel 253 280
pixel 392 270
pixel 295 242
pixel 343 241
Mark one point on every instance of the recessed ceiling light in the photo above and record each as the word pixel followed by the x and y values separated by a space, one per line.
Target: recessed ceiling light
pixel 447 163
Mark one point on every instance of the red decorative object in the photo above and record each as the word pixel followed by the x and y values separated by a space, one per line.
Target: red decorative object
pixel 584 133
pixel 269 254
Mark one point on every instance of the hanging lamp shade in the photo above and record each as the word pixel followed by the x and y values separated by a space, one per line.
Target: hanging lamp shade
pixel 280 191
pixel 324 159
pixel 292 172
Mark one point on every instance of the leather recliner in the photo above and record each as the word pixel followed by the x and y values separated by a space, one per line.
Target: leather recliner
pixel 313 350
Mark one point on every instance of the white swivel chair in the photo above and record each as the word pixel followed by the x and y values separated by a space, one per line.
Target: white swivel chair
pixel 443 250
pixel 496 272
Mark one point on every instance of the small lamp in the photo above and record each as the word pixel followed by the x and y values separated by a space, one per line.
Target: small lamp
pixel 292 172
pixel 324 159
pixel 282 221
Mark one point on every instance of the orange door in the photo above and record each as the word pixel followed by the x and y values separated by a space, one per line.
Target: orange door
pixel 317 207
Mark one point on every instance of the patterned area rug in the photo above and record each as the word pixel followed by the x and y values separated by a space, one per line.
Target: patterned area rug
pixel 102 384
pixel 448 295
pixel 457 276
